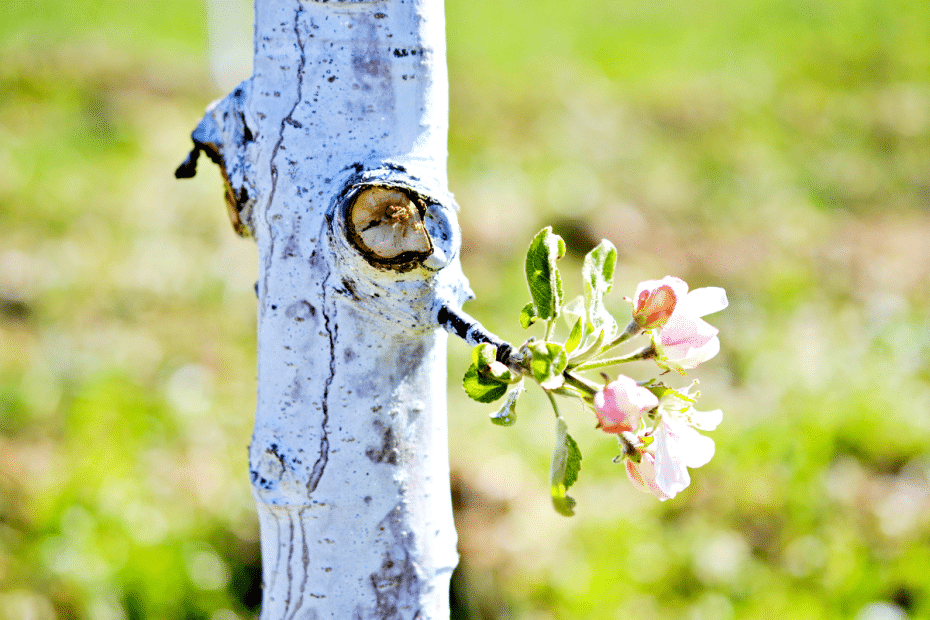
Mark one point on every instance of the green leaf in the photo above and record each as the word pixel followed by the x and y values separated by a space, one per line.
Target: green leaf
pixel 566 463
pixel 574 338
pixel 507 415
pixel 542 274
pixel 564 504
pixel 483 354
pixel 547 364
pixel 591 348
pixel 528 315
pixel 482 388
pixel 598 275
pixel 598 269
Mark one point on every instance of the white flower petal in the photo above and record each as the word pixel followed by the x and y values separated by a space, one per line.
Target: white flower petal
pixel 692 358
pixel 678 286
pixel 705 420
pixel 693 448
pixel 643 477
pixel 689 357
pixel 671 474
pixel 703 301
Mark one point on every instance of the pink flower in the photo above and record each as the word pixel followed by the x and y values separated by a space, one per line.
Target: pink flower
pixel 643 476
pixel 621 404
pixel 656 300
pixel 663 466
pixel 686 340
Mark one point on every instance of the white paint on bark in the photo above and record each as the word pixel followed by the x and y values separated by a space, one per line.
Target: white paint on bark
pixel 349 457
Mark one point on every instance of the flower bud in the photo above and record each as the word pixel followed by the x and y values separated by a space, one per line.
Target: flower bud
pixel 656 300
pixel 621 404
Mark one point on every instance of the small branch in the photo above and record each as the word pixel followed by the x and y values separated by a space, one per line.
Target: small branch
pixel 188 169
pixel 460 324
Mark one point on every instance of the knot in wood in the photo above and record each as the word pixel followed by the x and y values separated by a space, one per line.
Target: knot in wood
pixel 385 224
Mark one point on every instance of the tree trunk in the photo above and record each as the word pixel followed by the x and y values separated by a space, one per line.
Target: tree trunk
pixel 334 156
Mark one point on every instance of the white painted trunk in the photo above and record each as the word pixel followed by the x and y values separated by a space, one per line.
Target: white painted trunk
pixel 349 458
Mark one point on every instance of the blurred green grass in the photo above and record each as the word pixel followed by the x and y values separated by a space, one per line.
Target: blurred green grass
pixel 778 149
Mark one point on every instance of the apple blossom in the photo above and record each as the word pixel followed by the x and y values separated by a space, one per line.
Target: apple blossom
pixel 663 466
pixel 678 447
pixel 686 340
pixel 656 300
pixel 621 404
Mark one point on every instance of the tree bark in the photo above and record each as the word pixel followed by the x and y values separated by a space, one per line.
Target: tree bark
pixel 334 155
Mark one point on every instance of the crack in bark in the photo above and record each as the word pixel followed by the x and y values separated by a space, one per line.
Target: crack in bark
pixel 274 151
pixel 269 587
pixel 333 332
pixel 290 554
pixel 306 562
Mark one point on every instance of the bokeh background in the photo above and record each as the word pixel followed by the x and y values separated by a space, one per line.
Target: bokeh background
pixel 779 149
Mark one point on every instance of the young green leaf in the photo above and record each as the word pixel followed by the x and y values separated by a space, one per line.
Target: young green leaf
pixel 547 363
pixel 598 274
pixel 482 388
pixel 507 415
pixel 483 354
pixel 528 315
pixel 566 463
pixel 542 274
pixel 574 338
pixel 590 349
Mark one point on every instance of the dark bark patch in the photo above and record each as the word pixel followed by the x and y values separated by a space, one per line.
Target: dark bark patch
pixel 301 311
pixel 348 288
pixel 410 359
pixel 370 66
pixel 247 135
pixel 387 453
pixel 395 584
pixel 291 248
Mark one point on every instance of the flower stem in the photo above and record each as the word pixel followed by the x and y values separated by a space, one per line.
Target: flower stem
pixel 640 354
pixel 632 329
pixel 555 406
pixel 583 385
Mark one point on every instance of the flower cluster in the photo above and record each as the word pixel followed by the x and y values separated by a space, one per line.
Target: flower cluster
pixel 660 439
pixel 656 425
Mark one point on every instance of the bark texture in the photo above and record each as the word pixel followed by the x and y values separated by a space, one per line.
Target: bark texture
pixel 349 457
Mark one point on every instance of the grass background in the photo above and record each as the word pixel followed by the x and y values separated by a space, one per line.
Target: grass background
pixel 778 149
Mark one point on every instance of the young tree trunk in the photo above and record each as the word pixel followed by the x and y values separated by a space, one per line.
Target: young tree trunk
pixel 334 156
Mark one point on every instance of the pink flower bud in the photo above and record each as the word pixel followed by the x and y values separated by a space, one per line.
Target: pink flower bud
pixel 621 404
pixel 656 300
